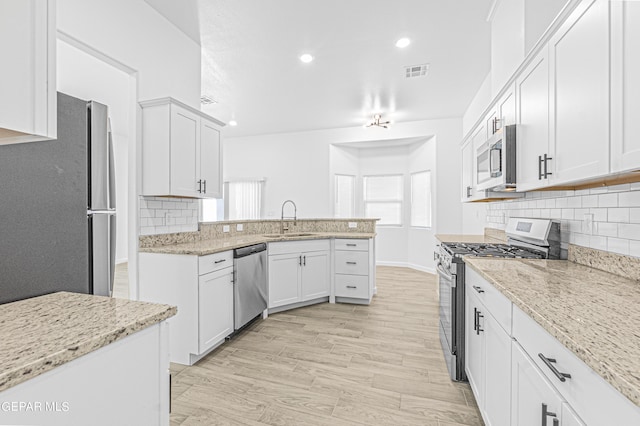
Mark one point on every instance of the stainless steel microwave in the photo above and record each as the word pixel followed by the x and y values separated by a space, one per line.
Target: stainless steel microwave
pixel 496 161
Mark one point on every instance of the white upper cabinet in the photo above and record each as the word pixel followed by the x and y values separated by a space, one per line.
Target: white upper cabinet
pixel 625 86
pixel 506 108
pixel 181 151
pixel 579 107
pixel 28 72
pixel 467 170
pixel 532 91
pixel 507 42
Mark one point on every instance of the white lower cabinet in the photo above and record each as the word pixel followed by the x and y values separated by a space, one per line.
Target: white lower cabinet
pixel 520 375
pixel 201 287
pixel 215 307
pixel 354 270
pixel 299 271
pixel 488 356
pixel 535 402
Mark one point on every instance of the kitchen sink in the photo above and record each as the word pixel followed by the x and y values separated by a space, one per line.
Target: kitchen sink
pixel 294 234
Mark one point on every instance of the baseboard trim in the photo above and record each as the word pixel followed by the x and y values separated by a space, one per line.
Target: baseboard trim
pixel 407 265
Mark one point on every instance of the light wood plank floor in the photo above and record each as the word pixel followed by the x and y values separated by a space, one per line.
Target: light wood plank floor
pixel 332 365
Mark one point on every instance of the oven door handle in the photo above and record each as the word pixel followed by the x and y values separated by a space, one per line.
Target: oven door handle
pixel 446 274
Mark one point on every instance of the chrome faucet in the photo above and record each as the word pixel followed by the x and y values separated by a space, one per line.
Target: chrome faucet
pixel 282 218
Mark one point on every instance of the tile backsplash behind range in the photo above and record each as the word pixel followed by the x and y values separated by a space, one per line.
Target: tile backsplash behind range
pixel 614 212
pixel 163 215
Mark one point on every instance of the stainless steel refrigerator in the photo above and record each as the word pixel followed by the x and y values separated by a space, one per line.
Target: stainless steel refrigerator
pixel 57 208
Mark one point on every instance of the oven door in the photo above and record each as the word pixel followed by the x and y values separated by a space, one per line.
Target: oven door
pixel 448 307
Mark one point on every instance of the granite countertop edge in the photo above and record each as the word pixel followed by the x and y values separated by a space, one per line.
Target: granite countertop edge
pixel 612 376
pixel 218 245
pixel 52 360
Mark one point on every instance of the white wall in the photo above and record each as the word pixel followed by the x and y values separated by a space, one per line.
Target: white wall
pixel 135 34
pixel 284 158
pixel 86 77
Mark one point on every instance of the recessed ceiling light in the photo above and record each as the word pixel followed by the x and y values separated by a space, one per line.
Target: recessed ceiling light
pixel 403 42
pixel 233 123
pixel 306 58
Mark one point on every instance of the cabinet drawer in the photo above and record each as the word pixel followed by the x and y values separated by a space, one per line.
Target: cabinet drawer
pixel 352 244
pixel 595 400
pixel 356 286
pixel 215 262
pixel 493 300
pixel 352 262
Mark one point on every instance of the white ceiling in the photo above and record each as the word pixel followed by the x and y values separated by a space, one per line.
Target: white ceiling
pixel 250 64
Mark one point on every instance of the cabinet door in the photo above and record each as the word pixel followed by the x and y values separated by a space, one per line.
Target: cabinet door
pixel 185 151
pixel 474 350
pixel 467 171
pixel 579 61
pixel 569 417
pixel 215 308
pixel 284 279
pixel 27 78
pixel 315 275
pixel 532 88
pixel 531 393
pixel 497 403
pixel 507 108
pixel 625 86
pixel 210 160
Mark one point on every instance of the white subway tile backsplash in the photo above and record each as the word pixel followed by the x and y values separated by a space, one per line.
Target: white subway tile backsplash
pixel 618 245
pixel 629 199
pixel 630 231
pixel 608 200
pixel 606 229
pixel 615 213
pixel 160 215
pixel 618 214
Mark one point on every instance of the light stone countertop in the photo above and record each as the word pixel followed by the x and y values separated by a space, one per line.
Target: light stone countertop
pixel 217 245
pixel 42 333
pixel 595 314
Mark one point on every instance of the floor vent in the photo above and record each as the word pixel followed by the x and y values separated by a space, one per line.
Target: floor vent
pixel 416 70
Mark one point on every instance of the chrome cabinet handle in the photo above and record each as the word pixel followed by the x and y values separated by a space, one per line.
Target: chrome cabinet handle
pixel 546 413
pixel 304 260
pixel 468 191
pixel 478 289
pixel 351 286
pixel 549 363
pixel 351 245
pixel 478 316
pixel 475 319
pixel 351 263
pixel 299 260
pixel 205 186
pixel 546 160
pixel 220 261
pixel 200 186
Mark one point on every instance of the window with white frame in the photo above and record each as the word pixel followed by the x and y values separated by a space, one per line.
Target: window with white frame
pixel 383 198
pixel 242 200
pixel 344 196
pixel 421 199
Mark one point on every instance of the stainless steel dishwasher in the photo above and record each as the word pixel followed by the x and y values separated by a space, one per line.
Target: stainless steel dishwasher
pixel 250 283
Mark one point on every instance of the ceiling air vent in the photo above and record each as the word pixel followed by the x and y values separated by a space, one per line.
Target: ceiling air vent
pixel 207 100
pixel 416 70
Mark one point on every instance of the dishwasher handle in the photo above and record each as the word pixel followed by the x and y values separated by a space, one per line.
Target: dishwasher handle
pixel 248 251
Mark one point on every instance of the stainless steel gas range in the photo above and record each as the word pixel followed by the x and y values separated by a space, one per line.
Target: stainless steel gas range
pixel 526 239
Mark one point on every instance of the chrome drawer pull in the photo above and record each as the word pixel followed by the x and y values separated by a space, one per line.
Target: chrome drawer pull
pixel 549 363
pixel 545 413
pixel 351 245
pixel 478 289
pixel 351 263
pixel 351 286
pixel 220 261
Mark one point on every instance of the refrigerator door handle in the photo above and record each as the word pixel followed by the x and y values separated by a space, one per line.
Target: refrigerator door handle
pixel 112 172
pixel 112 252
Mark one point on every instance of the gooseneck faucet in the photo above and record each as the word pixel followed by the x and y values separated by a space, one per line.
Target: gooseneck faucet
pixel 282 218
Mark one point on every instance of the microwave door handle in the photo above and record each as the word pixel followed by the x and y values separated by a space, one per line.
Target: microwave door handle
pixel 495 172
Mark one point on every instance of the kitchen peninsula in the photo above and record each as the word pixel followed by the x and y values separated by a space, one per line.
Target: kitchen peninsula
pixel 70 358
